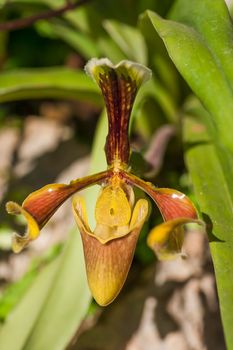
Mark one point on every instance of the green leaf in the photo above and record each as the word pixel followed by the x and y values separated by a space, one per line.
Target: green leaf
pixel 17 327
pixel 110 49
pixel 82 43
pixel 48 82
pixel 66 302
pixel 215 201
pixel 79 19
pixel 159 59
pixel 50 312
pixel 224 155
pixel 129 39
pixel 13 293
pixel 201 48
pixel 212 21
pixel 155 89
pixel 194 59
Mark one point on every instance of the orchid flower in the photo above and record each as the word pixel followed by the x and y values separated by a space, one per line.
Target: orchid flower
pixel 109 248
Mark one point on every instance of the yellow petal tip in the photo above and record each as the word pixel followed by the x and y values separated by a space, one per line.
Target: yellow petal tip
pixel 19 242
pixel 13 208
pixel 166 239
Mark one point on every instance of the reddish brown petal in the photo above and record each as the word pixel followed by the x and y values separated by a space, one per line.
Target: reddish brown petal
pixel 119 85
pixel 40 205
pixel 43 203
pixel 171 203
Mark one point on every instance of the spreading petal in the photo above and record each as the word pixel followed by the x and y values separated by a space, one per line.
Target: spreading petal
pixel 166 239
pixel 108 263
pixel 171 203
pixel 40 205
pixel 119 85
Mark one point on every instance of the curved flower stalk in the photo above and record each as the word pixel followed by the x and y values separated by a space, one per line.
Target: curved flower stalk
pixel 109 249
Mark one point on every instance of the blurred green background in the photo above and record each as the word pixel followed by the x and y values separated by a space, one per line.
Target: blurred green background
pixel 53 128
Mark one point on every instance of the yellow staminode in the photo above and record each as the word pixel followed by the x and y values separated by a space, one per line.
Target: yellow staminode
pixel 112 207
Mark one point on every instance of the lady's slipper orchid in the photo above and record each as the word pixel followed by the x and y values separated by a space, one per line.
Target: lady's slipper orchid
pixel 109 249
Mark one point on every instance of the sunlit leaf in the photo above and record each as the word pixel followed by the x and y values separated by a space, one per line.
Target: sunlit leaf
pixel 195 60
pixel 47 82
pixel 66 302
pixel 159 59
pixel 110 49
pixel 17 327
pixel 212 21
pixel 201 48
pixel 82 43
pixel 14 292
pixel 129 39
pixel 215 201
